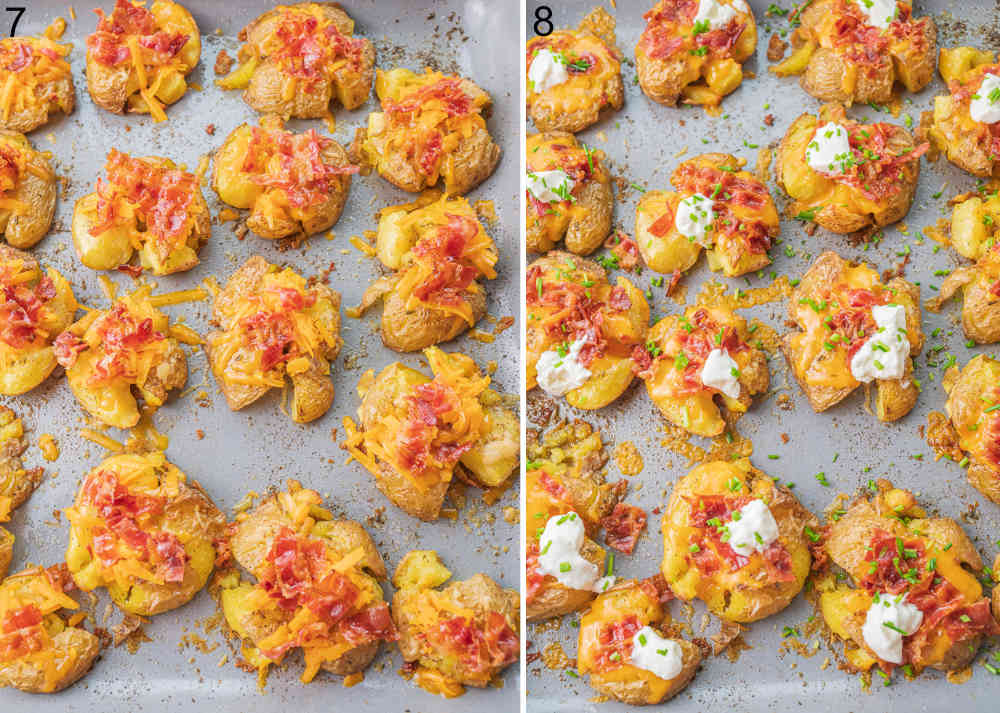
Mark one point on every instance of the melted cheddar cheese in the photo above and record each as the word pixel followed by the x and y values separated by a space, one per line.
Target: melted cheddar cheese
pixel 29 67
pixel 592 64
pixel 30 603
pixel 428 426
pixel 974 409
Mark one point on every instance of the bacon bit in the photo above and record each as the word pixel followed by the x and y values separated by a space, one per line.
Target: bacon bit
pixel 657 589
pixel 309 48
pixel 223 63
pixel 210 129
pixel 769 119
pixel 66 347
pixel 874 171
pixel 118 333
pixel 446 252
pixel 481 647
pixel 776 49
pixel 447 91
pixel 22 307
pixel 107 44
pixel 855 316
pixel 133 271
pixel 626 250
pixel 294 164
pixel 623 527
pixel 675 278
pixel 614 643
pixel 427 408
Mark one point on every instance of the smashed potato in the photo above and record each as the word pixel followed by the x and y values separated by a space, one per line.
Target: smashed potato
pixel 581 330
pixel 17 483
pixel 916 573
pixel 415 433
pixel 620 623
pixel 574 75
pixel 42 652
pixel 961 125
pixel 696 362
pixel 684 57
pixel 569 194
pixel 717 207
pixel 317 587
pixel 35 306
pixel 846 53
pixel 40 80
pixel 974 234
pixel 463 635
pixel 296 59
pixel 138 58
pixel 147 205
pixel 846 176
pixel 109 352
pixel 565 476
pixel 439 250
pixel 854 330
pixel 27 191
pixel 737 540
pixel 292 184
pixel 973 423
pixel 138 528
pixel 275 326
pixel 432 127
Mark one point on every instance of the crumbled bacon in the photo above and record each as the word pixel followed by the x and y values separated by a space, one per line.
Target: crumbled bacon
pixel 308 50
pixel 21 633
pixel 121 534
pixel 107 44
pixel 294 164
pixel 533 577
pixel 10 168
pixel 22 307
pixel 15 56
pixel 664 36
pixel 876 169
pixel 66 347
pixel 854 320
pixel 579 315
pixel 552 486
pixel 657 589
pixel 162 197
pixel 120 334
pixel 446 251
pixel 614 643
pixel 625 249
pixel 480 647
pixel 720 508
pixel 891 559
pixel 429 411
pixel 623 527
pixel 272 334
pixel 447 92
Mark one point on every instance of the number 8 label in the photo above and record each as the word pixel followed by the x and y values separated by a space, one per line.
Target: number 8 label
pixel 543 21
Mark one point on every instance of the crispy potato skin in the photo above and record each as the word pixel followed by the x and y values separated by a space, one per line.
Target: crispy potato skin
pixel 6 551
pixel 585 222
pixel 747 594
pixel 113 247
pixel 611 373
pixel 32 365
pixel 411 330
pixel 578 102
pixel 190 515
pixel 266 91
pixel 625 682
pixel 482 596
pixel 312 390
pixel 825 375
pixel 971 426
pixel 113 87
pixel 835 203
pixel 269 217
pixel 672 69
pixel 73 644
pixel 699 413
pixel 848 543
pixel 24 230
pixel 831 74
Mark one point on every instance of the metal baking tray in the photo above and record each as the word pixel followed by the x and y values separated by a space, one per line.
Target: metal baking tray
pixel 642 141
pixel 260 448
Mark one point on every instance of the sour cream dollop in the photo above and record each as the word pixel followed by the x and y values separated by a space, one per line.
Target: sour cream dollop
pixel 549 186
pixel 830 151
pixel 752 528
pixel 562 372
pixel 695 218
pixel 889 619
pixel 884 355
pixel 721 372
pixel 880 13
pixel 547 70
pixel 985 104
pixel 560 556
pixel 718 15
pixel 651 652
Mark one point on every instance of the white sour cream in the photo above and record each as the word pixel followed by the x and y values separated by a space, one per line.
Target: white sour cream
pixel 560 556
pixel 985 105
pixel 718 15
pixel 549 186
pixel 651 652
pixel 695 218
pixel 884 355
pixel 559 373
pixel 830 151
pixel 721 372
pixel 880 13
pixel 752 528
pixel 547 70
pixel 888 613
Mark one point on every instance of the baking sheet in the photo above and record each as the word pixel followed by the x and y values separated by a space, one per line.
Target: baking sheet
pixel 642 140
pixel 260 447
